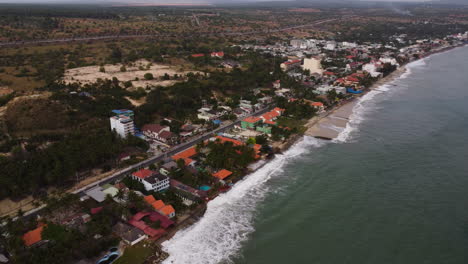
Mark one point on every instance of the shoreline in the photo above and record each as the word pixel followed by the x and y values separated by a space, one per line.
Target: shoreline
pixel 348 105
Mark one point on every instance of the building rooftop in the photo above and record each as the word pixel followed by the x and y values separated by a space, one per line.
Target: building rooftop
pixel 33 236
pixel 143 173
pixel 222 174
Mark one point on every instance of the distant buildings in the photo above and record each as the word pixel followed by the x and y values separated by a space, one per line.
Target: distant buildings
pixel 151 180
pixel 290 64
pixel 324 89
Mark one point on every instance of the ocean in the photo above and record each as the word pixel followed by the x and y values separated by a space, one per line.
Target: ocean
pixel 393 188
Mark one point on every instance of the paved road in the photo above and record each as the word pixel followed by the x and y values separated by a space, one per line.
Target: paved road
pixel 111 37
pixel 179 148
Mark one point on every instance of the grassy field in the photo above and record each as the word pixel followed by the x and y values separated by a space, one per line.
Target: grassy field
pixel 136 254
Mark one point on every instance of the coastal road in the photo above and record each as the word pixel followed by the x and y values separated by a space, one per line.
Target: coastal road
pixel 114 37
pixel 179 148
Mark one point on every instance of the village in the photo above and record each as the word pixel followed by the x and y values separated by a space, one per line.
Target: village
pixel 200 160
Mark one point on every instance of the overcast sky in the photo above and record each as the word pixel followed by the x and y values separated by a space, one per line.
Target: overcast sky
pixel 206 1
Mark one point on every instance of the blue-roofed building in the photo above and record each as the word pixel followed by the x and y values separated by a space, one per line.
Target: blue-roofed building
pixel 217 122
pixel 124 112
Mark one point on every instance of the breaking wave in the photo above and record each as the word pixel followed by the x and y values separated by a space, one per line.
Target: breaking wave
pixel 367 104
pixel 228 220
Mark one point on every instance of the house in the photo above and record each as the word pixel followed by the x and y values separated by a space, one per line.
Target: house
pixel 97 194
pixel 218 54
pixel 110 190
pixel 186 155
pixel 277 84
pixel 34 236
pixel 167 167
pixel 187 192
pixel 129 234
pixel 251 122
pixel 290 64
pixel 198 55
pixel 154 131
pixel 222 174
pixel 167 137
pixel 159 206
pixel 319 106
pixel 270 117
pixel 151 180
pixel 122 125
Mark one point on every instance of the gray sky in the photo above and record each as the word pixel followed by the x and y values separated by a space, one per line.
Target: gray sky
pixel 209 1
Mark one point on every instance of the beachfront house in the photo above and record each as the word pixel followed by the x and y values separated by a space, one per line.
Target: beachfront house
pixel 151 180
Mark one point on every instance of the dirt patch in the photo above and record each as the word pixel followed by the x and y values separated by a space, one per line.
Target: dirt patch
pixel 136 102
pixel 9 207
pixel 134 73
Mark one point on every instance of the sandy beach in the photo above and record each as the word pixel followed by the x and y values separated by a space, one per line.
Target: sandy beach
pixel 332 123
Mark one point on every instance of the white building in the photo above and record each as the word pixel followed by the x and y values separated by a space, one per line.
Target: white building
pixel 151 180
pixel 331 45
pixel 392 61
pixel 325 88
pixel 372 69
pixel 313 65
pixel 123 125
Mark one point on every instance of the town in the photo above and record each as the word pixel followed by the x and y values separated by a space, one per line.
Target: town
pixel 168 168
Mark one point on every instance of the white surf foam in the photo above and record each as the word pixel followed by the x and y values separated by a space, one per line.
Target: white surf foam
pixel 227 222
pixel 367 103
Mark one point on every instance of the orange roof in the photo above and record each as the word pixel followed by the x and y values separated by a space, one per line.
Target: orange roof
pixel 33 236
pixel 317 104
pixel 252 119
pixel 158 204
pixel 225 139
pixel 144 173
pixel 185 154
pixel 277 109
pixel 167 210
pixel 222 174
pixel 150 199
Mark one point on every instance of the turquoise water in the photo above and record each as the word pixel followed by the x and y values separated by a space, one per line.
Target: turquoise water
pixel 205 188
pixel 394 190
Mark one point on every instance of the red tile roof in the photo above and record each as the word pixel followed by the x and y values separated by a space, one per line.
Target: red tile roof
pixel 217 54
pixel 225 139
pixel 185 155
pixel 167 210
pixel 150 199
pixel 158 204
pixel 222 174
pixel 292 62
pixel 252 119
pixel 96 210
pixel 33 236
pixel 143 173
pixel 318 104
pixel 198 55
pixel 155 128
